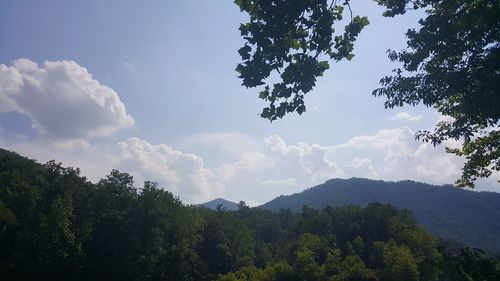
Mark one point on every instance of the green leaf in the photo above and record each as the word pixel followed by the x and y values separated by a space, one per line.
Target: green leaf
pixel 244 52
pixel 295 44
pixel 301 109
pixel 264 94
pixel 324 65
pixel 364 21
pixel 239 3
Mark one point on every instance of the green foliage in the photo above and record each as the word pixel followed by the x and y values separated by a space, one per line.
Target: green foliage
pixel 470 264
pixel 294 40
pixel 399 263
pixel 55 225
pixel 305 265
pixel 452 63
pixel 354 269
pixel 482 157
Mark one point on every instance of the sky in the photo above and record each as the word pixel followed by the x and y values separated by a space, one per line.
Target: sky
pixel 149 88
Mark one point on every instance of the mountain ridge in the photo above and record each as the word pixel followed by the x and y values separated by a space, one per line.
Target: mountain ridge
pixel 468 217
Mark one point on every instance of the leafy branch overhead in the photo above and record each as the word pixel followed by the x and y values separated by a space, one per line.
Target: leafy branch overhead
pixel 293 40
pixel 452 63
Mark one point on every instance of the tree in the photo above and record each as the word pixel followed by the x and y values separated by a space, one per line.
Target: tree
pixel 354 269
pixel 451 64
pixel 399 263
pixel 470 264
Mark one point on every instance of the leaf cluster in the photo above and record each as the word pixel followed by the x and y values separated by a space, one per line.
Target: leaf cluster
pixel 295 40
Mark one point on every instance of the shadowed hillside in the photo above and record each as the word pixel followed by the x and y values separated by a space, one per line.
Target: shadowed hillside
pixel 468 217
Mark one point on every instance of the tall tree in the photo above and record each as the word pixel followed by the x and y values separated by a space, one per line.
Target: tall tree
pixel 452 63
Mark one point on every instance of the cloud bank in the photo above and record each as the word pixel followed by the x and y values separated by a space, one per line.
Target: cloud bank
pixel 390 154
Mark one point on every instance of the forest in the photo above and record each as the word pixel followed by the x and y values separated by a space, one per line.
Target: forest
pixel 57 225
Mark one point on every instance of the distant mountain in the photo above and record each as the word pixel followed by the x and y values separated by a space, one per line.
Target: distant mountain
pixel 468 217
pixel 228 205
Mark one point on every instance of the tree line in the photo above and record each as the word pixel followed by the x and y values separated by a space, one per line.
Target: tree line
pixel 56 225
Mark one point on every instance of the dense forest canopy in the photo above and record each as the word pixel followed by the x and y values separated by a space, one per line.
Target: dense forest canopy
pixel 451 63
pixel 56 225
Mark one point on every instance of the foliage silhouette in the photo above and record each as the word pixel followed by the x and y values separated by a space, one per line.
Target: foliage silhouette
pixel 452 63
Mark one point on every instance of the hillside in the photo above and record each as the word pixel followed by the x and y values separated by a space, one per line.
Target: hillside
pixel 226 204
pixel 471 218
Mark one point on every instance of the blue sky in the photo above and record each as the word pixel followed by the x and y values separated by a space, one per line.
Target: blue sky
pixel 149 87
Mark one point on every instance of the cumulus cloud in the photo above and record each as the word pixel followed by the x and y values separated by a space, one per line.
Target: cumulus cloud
pixel 62 99
pixel 249 163
pixel 405 116
pixel 181 173
pixel 308 161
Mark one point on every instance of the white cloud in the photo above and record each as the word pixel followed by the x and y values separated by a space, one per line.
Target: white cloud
pixel 391 154
pixel 181 173
pixel 311 162
pixel 249 163
pixel 364 167
pixel 405 116
pixel 63 101
pixel 444 118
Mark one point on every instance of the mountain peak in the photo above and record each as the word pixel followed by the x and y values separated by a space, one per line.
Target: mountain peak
pixel 226 204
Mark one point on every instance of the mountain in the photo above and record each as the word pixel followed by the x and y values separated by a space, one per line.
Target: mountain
pixel 464 216
pixel 228 205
